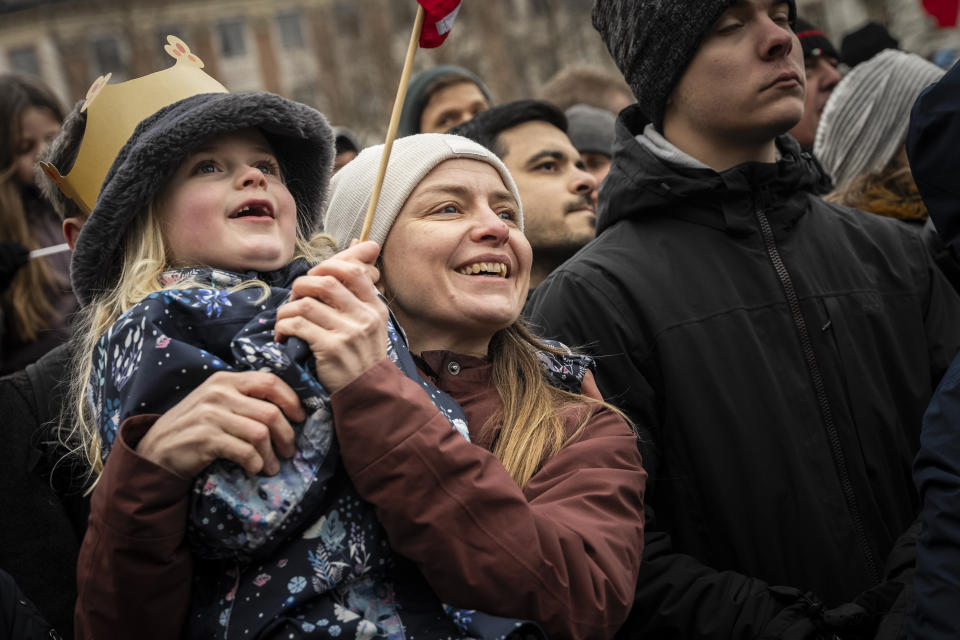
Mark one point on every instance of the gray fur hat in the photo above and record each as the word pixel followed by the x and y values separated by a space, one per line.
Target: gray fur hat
pixel 62 153
pixel 300 137
pixel 413 157
pixel 653 42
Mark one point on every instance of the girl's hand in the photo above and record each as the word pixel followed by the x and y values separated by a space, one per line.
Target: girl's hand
pixel 336 310
pixel 238 416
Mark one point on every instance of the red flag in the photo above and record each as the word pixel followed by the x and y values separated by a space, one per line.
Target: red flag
pixel 438 20
pixel 945 11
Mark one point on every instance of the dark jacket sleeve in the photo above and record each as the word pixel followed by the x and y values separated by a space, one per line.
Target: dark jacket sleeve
pixel 937 474
pixel 676 595
pixel 941 315
pixel 564 552
pixel 133 575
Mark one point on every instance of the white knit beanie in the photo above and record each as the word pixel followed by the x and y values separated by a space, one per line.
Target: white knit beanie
pixel 413 157
pixel 865 120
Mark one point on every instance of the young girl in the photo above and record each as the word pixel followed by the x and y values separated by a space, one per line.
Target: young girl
pixel 37 301
pixel 199 229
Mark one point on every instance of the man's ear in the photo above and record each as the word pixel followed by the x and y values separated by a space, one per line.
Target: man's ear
pixel 71 230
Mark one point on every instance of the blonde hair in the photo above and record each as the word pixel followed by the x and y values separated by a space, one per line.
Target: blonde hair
pixel 145 258
pixel 530 422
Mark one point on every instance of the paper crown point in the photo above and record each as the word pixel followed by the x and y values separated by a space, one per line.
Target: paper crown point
pixel 115 110
pixel 180 51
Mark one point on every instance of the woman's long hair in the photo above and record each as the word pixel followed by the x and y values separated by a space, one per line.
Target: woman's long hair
pixel 28 308
pixel 531 424
pixel 145 258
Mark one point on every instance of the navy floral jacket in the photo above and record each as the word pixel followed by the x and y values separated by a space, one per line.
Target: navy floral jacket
pixel 299 553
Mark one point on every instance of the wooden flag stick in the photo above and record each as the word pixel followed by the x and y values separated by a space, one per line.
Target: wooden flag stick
pixel 394 122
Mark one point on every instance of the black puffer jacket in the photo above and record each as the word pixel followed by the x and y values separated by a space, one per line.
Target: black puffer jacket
pixel 44 511
pixel 777 353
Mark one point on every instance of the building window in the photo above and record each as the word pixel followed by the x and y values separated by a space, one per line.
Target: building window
pixel 233 42
pixel 291 33
pixel 347 19
pixel 24 60
pixel 108 58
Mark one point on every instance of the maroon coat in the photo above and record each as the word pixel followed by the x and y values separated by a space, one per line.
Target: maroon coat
pixel 564 551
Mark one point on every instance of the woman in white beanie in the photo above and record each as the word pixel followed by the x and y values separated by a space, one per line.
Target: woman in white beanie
pixel 539 515
pixel 861 136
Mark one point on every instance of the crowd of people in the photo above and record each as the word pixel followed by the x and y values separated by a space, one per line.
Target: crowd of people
pixel 666 355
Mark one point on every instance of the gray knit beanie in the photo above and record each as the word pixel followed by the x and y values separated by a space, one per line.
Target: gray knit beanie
pixel 865 120
pixel 300 137
pixel 653 42
pixel 591 129
pixel 412 158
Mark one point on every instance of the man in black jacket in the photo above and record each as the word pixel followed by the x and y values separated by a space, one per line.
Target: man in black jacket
pixel 775 352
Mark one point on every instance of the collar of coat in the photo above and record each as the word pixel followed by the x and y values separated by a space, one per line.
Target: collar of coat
pixel 223 279
pixel 641 185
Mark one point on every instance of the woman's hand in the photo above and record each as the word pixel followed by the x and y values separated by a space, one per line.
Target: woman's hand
pixel 336 310
pixel 238 416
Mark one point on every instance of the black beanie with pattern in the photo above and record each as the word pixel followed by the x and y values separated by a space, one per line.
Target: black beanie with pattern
pixel 653 42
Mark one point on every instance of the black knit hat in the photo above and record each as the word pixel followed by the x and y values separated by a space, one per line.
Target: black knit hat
pixel 653 42
pixel 864 43
pixel 300 137
pixel 419 93
pixel 814 41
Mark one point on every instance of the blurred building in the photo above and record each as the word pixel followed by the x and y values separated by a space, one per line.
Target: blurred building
pixel 908 21
pixel 341 56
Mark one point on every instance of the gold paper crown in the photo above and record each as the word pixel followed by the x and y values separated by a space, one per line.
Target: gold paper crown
pixel 114 111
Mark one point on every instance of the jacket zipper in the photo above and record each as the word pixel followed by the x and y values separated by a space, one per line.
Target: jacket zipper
pixel 813 368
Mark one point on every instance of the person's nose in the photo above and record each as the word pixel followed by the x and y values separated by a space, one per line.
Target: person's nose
pixel 462 117
pixel 582 182
pixel 776 41
pixel 38 150
pixel 830 76
pixel 490 227
pixel 250 176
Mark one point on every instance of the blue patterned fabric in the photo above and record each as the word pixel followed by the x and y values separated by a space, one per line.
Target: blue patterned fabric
pixel 300 552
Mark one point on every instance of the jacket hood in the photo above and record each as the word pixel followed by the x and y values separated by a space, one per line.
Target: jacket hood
pixel 644 183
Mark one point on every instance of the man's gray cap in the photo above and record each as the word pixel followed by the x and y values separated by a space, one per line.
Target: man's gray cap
pixel 653 42
pixel 591 129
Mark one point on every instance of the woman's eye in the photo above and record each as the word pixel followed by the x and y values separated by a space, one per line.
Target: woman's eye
pixel 269 167
pixel 508 214
pixel 205 166
pixel 449 209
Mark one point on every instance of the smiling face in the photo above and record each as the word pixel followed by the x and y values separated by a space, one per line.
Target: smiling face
pixel 558 193
pixel 38 127
pixel 745 85
pixel 456 266
pixel 227 207
pixel 451 106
